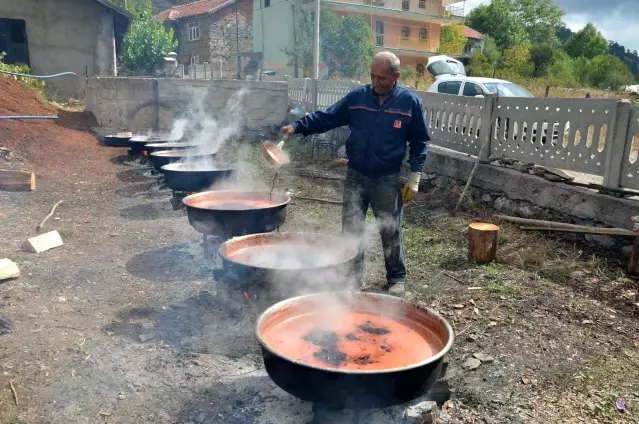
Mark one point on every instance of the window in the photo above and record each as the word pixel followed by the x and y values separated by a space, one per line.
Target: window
pixel 405 4
pixel 267 3
pixel 193 29
pixel 422 4
pixel 423 36
pixel 420 69
pixel 195 60
pixel 472 90
pixel 449 87
pixel 379 33
pixel 405 32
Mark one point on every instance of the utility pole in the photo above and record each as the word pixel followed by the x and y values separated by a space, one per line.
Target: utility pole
pixel 237 41
pixel 316 41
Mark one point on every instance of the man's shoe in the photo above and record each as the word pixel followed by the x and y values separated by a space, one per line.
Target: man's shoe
pixel 397 289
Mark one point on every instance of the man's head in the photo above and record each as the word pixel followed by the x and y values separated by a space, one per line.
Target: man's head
pixel 384 72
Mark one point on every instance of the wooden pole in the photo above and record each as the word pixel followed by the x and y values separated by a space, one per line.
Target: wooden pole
pixel 483 239
pixel 560 226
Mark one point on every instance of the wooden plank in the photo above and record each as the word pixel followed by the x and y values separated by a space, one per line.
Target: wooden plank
pixel 17 180
pixel 8 269
pixel 43 242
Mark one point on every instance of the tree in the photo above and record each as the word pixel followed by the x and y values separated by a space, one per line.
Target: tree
pixel 346 44
pixel 588 42
pixel 539 18
pixel 479 66
pixel 608 71
pixel 452 39
pixel 516 61
pixel 134 6
pixel 500 21
pixel 145 44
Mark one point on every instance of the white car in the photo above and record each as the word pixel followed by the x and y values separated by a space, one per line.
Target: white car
pixel 451 78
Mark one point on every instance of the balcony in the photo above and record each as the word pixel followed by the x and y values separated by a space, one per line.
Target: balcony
pixel 433 10
pixel 416 45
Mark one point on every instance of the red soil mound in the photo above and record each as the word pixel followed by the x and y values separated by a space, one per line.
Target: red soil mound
pixel 53 147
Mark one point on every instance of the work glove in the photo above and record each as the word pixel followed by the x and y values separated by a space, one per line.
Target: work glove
pixel 410 188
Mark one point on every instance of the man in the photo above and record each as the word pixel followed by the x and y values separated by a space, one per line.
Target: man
pixel 383 117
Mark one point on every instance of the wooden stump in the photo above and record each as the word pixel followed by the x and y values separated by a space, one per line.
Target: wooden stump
pixel 483 239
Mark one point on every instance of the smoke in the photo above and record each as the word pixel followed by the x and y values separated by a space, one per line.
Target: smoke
pixel 178 129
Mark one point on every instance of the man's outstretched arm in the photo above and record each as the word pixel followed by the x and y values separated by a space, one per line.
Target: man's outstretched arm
pixel 321 121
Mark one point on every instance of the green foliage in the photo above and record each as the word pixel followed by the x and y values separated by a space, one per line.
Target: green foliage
pixel 145 44
pixel 587 43
pixel 608 71
pixel 34 83
pixel 452 39
pixel 500 21
pixel 136 7
pixel 346 45
pixel 539 18
pixel 524 41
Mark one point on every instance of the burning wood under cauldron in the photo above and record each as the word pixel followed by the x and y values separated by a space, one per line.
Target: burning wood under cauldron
pixel 353 350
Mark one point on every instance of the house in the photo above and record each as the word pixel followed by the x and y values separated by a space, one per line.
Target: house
pixel 211 30
pixel 475 42
pixel 408 28
pixel 54 36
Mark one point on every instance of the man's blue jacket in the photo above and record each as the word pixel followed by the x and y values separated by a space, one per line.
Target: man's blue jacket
pixel 379 133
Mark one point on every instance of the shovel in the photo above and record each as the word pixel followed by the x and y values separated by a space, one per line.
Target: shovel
pixel 273 153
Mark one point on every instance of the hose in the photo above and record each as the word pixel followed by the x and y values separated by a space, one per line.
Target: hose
pixel 38 76
pixel 29 117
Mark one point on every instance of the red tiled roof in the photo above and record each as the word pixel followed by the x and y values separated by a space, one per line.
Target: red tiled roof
pixel 471 33
pixel 192 9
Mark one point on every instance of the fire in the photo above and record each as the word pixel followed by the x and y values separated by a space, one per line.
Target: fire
pixel 246 296
pixel 145 154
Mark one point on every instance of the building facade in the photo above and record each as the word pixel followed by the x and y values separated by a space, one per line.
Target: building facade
pixel 55 36
pixel 409 28
pixel 210 31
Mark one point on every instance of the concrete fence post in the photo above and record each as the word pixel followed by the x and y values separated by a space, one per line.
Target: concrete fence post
pixel 486 132
pixel 616 152
pixel 314 94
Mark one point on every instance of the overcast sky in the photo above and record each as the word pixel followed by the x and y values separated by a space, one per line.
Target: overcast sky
pixel 614 18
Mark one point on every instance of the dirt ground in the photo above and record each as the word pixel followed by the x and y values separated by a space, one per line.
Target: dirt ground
pixel 558 323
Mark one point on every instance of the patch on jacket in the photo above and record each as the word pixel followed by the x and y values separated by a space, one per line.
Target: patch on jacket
pixel 397 124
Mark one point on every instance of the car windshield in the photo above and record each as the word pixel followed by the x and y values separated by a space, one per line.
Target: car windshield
pixel 447 67
pixel 507 89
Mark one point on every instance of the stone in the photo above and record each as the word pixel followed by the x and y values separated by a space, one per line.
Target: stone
pixel 471 364
pixel 146 337
pixel 584 210
pixel 503 203
pixel 201 417
pixel 522 167
pixel 486 198
pixel 604 241
pixel 423 413
pixel 484 358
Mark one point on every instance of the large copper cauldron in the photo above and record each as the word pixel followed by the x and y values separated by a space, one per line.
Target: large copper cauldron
pixel 352 349
pixel 281 265
pixel 232 213
pixel 195 177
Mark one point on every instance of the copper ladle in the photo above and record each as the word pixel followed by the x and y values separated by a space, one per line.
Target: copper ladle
pixel 274 154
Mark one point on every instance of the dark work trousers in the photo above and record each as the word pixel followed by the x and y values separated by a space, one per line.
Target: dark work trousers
pixel 384 195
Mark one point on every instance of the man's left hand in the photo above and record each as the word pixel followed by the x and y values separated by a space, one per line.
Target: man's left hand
pixel 410 188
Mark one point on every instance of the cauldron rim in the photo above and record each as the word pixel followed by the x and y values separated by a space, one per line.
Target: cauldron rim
pixel 179 153
pixel 189 199
pixel 276 235
pixel 175 167
pixel 283 304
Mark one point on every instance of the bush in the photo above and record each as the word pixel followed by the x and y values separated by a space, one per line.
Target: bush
pixel 34 83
